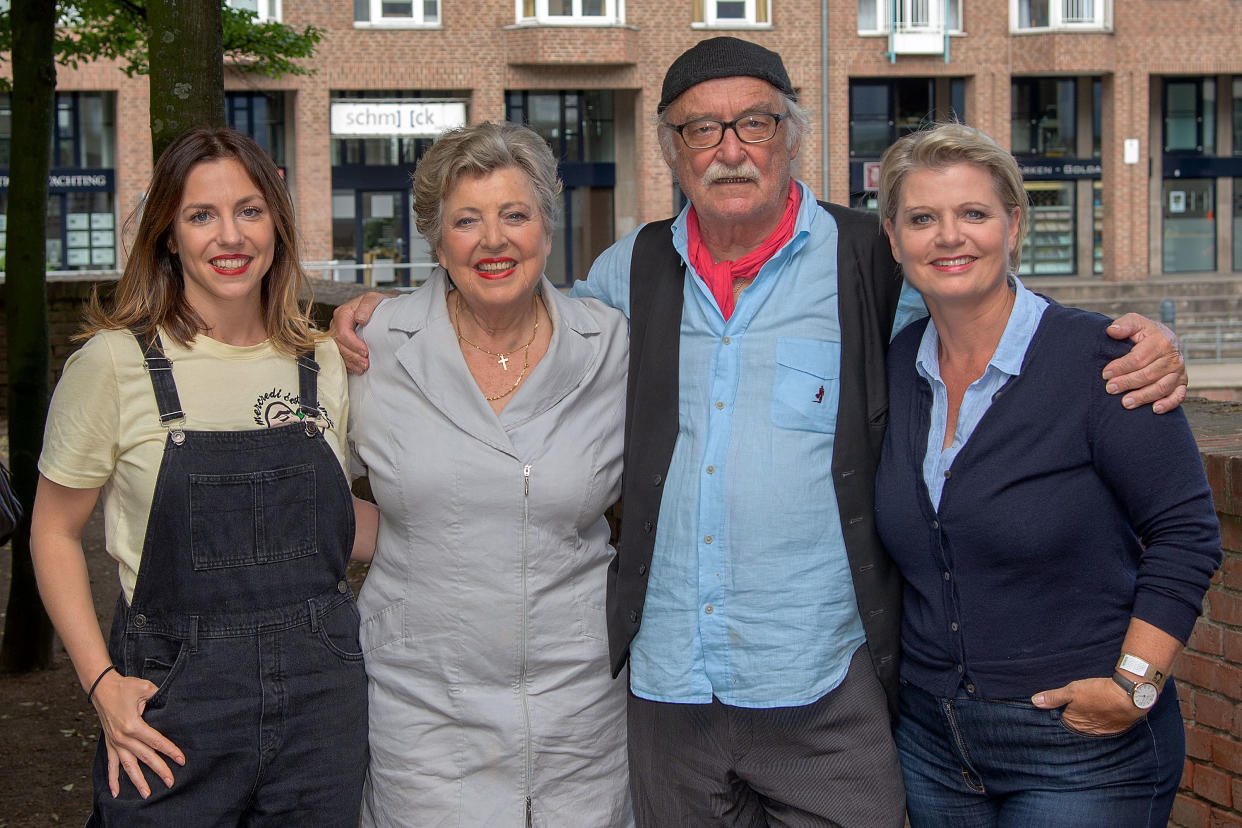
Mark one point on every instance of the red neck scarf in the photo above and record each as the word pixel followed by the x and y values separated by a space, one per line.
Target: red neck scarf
pixel 719 276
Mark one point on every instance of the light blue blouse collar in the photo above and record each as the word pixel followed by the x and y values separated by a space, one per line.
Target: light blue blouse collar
pixel 1010 351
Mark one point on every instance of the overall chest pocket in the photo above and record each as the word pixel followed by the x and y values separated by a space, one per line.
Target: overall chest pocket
pixel 253 518
pixel 805 386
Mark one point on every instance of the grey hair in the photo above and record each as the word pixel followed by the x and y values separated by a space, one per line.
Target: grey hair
pixel 797 127
pixel 480 149
pixel 941 145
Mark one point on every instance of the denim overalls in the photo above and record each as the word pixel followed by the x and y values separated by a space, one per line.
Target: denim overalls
pixel 242 617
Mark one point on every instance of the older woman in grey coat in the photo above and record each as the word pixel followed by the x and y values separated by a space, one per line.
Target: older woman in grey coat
pixel 490 426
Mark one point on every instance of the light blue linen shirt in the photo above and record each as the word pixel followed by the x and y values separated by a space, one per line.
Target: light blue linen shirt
pixel 1004 365
pixel 750 597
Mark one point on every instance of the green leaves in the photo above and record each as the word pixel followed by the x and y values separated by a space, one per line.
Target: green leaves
pixel 90 30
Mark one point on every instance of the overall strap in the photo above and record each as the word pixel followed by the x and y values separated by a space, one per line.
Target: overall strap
pixel 308 385
pixel 159 368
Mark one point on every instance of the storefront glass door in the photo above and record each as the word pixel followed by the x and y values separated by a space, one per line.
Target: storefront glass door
pixel 371 227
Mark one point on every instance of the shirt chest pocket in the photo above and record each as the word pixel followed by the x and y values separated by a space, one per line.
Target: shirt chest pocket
pixel 806 385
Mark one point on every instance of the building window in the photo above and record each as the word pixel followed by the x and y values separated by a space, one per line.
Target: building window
pixel 1237 116
pixel 83 131
pixel 580 128
pixel 81 223
pixel 1097 228
pixel 1048 248
pixel 571 12
pixel 731 13
pixel 1046 15
pixel 1190 116
pixel 396 13
pixel 1042 117
pixel 876 16
pixel 261 115
pixel 1237 223
pixel 1097 118
pixel 266 11
pixel 1189 225
pixel 883 111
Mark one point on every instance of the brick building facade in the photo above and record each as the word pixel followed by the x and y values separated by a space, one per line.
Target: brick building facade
pixel 1127 117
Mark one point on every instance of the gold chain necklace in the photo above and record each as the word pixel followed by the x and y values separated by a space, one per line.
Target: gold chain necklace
pixel 503 361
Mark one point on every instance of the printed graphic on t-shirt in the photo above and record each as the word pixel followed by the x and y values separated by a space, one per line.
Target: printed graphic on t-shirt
pixel 278 407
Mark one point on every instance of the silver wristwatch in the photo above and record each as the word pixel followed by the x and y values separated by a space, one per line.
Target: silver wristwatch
pixel 1142 693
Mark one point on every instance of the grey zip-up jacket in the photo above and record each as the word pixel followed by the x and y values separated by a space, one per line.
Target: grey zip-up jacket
pixel 491 699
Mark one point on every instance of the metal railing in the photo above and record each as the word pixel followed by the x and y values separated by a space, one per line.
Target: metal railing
pixel 403 274
pixel 1078 11
pixel 400 274
pixel 1211 341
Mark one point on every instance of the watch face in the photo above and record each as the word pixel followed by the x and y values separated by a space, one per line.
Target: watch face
pixel 1144 695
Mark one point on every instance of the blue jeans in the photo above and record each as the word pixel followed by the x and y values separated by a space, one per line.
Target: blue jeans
pixel 978 762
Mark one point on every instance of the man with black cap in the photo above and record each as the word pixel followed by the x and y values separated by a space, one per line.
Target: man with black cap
pixel 758 611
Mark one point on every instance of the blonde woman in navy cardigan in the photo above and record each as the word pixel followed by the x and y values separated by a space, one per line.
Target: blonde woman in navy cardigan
pixel 1050 581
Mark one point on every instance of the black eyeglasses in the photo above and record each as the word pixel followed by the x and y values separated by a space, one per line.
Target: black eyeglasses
pixel 705 133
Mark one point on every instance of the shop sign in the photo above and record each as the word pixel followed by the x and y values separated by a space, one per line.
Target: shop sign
pixel 72 181
pixel 382 119
pixel 1058 169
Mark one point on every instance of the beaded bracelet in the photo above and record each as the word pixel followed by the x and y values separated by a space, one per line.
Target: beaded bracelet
pixel 91 692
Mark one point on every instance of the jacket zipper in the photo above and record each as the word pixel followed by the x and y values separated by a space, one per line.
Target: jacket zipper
pixel 522 679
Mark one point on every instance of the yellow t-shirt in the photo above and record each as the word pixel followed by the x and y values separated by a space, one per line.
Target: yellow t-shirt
pixel 103 427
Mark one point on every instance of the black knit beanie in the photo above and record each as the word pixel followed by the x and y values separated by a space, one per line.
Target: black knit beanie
pixel 723 57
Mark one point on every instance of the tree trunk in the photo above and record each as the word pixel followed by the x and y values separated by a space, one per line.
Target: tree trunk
pixel 27 630
pixel 187 68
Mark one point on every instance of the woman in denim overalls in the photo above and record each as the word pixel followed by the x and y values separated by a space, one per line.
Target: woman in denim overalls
pixel 234 649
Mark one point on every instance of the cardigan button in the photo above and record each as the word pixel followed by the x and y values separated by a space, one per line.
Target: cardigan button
pixel 642 569
pixel 633 616
pixel 657 480
pixel 648 526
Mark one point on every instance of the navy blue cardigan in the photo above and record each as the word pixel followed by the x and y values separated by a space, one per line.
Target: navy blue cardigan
pixel 1062 517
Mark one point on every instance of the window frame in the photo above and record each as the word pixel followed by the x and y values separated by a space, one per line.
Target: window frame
pixel 261 15
pixel 416 20
pixel 1102 21
pixel 1029 88
pixel 706 16
pixel 1205 114
pixel 883 17
pixel 614 14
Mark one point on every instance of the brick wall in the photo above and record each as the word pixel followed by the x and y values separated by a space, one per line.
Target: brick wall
pixel 1209 671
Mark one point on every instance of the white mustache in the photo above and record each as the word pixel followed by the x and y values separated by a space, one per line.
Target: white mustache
pixel 719 171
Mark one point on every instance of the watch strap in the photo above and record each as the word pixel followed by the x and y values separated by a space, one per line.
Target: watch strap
pixel 1124 683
